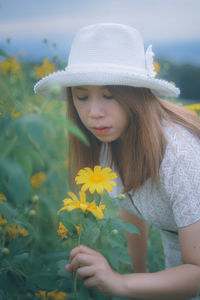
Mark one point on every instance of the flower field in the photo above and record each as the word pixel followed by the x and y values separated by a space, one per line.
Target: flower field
pixel 37 227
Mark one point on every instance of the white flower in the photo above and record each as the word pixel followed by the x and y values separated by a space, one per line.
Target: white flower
pixel 149 61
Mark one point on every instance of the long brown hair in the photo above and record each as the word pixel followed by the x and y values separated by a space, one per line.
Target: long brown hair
pixel 139 156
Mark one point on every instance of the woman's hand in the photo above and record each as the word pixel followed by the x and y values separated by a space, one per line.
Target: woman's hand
pixel 94 270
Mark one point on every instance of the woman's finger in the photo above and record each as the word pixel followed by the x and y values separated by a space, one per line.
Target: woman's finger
pixel 68 268
pixel 82 259
pixel 90 282
pixel 86 271
pixel 82 249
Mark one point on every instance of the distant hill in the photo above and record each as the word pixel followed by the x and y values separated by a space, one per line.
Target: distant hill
pixel 179 52
pixel 176 52
pixel 180 62
pixel 185 76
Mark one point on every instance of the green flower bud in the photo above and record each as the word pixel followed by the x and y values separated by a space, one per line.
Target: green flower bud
pixel 121 197
pixel 35 199
pixel 29 296
pixel 32 212
pixel 114 232
pixel 5 251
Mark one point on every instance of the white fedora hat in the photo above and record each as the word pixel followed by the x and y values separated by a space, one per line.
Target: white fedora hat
pixel 109 54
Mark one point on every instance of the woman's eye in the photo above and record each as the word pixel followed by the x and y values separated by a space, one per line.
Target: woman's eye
pixel 82 98
pixel 108 97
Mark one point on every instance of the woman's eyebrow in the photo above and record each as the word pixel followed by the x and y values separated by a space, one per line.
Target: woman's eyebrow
pixel 80 88
pixel 103 87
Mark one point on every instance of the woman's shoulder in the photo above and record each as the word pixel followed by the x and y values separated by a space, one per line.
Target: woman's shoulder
pixel 180 141
pixel 180 174
pixel 181 159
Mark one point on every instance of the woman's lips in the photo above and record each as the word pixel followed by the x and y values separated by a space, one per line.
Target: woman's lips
pixel 101 130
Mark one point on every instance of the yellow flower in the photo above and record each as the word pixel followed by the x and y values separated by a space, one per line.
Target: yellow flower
pixel 98 180
pixel 10 65
pixel 15 114
pixel 5 66
pixel 46 68
pixel 30 108
pixel 54 295
pixel 15 65
pixel 38 179
pixel 2 197
pixel 13 230
pixel 62 231
pixel 79 229
pixel 156 66
pixel 97 210
pixel 74 203
pixel 193 107
pixel 42 294
pixel 2 221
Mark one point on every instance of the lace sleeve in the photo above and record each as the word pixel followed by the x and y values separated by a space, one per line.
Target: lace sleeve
pixel 181 170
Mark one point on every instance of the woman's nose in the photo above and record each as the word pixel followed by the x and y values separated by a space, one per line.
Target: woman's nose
pixel 96 109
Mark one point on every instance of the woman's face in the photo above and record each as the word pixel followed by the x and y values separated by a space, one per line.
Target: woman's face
pixel 101 114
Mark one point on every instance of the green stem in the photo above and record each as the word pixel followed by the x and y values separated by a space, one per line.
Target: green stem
pixel 97 198
pixel 75 285
pixel 3 237
pixel 75 273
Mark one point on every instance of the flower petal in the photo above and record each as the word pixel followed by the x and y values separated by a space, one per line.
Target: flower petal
pixel 97 169
pixel 98 180
pixel 73 196
pixel 82 196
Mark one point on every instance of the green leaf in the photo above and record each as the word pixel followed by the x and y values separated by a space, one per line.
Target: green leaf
pixel 129 227
pixel 17 183
pixel 91 231
pixel 20 259
pixel 23 160
pixel 35 128
pixel 76 131
pixel 18 245
pixel 2 295
pixel 7 146
pixel 116 241
pixel 112 208
pixel 8 212
pixel 124 258
pixel 83 293
pixel 4 283
pixel 55 256
pixel 65 123
pixel 36 158
pixel 72 219
pixel 45 282
pixel 116 256
pixel 116 298
pixel 61 269
pixel 113 257
pixel 122 225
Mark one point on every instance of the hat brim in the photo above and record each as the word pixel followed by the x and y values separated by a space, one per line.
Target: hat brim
pixel 105 76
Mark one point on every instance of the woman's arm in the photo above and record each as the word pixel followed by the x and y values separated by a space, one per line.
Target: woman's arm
pixel 176 283
pixel 137 244
pixel 181 282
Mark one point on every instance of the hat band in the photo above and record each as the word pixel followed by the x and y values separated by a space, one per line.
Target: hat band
pixel 73 68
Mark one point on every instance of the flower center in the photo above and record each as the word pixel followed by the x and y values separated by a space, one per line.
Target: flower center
pixel 83 206
pixel 96 178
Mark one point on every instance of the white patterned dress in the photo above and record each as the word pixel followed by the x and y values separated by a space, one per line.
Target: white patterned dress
pixel 175 202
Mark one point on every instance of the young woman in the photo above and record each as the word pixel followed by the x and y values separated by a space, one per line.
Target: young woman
pixel 154 145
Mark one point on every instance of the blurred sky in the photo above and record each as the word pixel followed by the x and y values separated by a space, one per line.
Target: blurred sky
pixel 161 22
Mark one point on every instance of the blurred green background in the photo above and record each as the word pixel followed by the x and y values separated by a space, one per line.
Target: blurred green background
pixel 33 178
